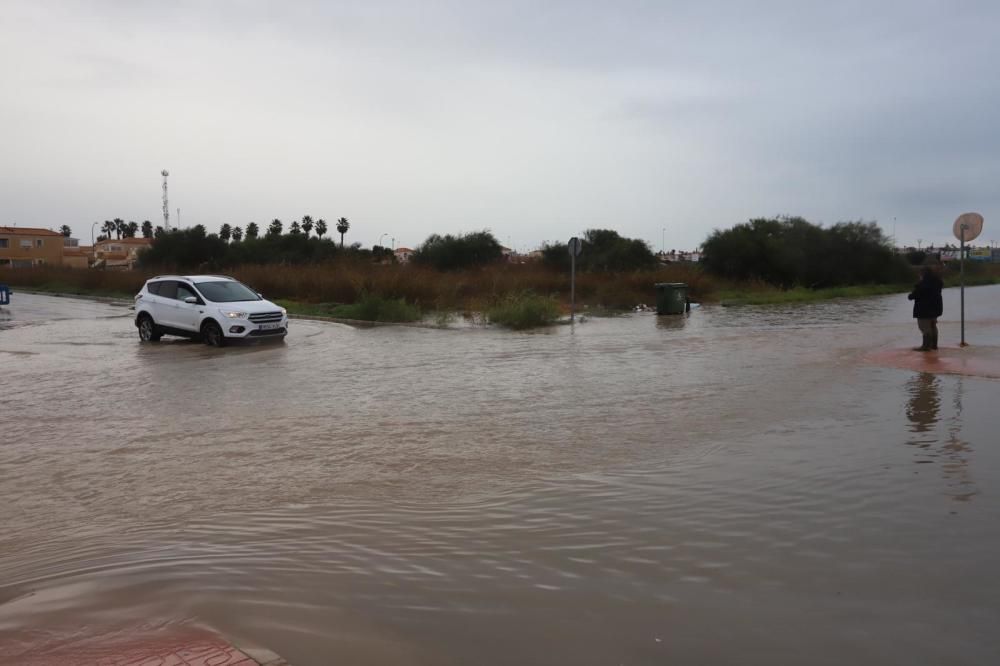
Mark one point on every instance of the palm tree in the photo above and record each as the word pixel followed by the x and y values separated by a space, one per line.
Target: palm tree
pixel 237 234
pixel 108 228
pixel 295 229
pixel 307 224
pixel 147 229
pixel 252 230
pixel 320 227
pixel 342 226
pixel 65 230
pixel 275 228
pixel 225 232
pixel 131 229
pixel 119 227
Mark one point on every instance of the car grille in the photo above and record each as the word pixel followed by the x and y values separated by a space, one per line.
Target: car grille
pixel 258 333
pixel 265 317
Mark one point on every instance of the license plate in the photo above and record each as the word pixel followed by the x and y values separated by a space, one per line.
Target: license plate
pixel 265 327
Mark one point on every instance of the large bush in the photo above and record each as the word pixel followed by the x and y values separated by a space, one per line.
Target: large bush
pixel 791 251
pixel 449 252
pixel 603 250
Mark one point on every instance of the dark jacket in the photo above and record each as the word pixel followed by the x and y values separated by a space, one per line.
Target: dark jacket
pixel 926 297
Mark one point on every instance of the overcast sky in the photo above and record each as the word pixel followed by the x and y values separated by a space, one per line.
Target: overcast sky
pixel 535 120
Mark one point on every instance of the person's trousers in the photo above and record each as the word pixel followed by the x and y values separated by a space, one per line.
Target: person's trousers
pixel 928 327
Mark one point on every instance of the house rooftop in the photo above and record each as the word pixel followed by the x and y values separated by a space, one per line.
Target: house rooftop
pixel 128 241
pixel 28 231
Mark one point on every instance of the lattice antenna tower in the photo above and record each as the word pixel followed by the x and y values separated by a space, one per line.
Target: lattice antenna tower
pixel 166 206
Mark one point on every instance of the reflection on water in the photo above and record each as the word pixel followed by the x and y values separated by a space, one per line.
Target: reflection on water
pixel 925 402
pixel 947 449
pixel 613 492
pixel 672 322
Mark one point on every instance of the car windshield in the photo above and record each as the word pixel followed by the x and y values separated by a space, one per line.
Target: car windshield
pixel 219 291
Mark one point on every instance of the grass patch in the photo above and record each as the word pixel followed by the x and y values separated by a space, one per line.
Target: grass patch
pixel 368 308
pixel 77 290
pixel 971 280
pixel 775 296
pixel 522 311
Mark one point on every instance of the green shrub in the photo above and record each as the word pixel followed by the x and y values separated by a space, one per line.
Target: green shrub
pixel 448 252
pixel 524 310
pixel 604 250
pixel 377 308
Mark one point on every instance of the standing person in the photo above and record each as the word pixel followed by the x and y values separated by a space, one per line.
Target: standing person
pixel 927 306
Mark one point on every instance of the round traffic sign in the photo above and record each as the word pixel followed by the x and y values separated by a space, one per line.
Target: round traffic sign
pixel 575 246
pixel 971 224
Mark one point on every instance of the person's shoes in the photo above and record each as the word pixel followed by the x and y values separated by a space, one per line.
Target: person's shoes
pixel 921 349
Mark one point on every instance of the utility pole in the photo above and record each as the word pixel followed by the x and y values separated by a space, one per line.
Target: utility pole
pixel 574 247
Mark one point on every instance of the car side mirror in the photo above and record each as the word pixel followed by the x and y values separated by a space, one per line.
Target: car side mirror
pixel 260 294
pixel 191 299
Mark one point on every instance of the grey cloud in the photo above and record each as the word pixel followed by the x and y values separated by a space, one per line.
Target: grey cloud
pixel 534 119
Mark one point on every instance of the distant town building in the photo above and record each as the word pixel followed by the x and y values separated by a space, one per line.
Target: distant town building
pixel 120 253
pixel 24 247
pixel 403 254
pixel 677 256
pixel 75 255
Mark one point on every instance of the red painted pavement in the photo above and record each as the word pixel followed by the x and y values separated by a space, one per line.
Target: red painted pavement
pixel 163 651
pixel 972 361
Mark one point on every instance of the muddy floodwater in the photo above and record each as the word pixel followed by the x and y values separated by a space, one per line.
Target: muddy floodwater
pixel 740 486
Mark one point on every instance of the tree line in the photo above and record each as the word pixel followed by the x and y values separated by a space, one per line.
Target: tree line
pixel 784 251
pixel 119 228
pixel 791 252
pixel 304 242
pixel 276 228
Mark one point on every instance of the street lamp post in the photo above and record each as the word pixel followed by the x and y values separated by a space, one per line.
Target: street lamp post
pixel 381 237
pixel 92 233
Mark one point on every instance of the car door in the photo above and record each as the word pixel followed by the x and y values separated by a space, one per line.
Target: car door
pixel 187 315
pixel 163 310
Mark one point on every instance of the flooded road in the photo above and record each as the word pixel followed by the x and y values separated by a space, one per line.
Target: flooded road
pixel 734 487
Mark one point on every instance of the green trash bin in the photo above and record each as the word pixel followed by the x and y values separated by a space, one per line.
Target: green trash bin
pixel 671 298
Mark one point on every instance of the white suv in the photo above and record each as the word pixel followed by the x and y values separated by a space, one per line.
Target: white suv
pixel 214 308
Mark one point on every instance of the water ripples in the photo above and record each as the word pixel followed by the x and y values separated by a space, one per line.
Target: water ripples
pixel 403 495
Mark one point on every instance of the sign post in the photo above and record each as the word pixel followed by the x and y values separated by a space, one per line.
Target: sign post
pixel 967 227
pixel 575 246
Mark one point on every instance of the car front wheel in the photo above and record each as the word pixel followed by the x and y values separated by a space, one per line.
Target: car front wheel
pixel 211 333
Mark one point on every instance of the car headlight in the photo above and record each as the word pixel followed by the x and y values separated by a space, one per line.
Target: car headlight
pixel 234 314
pixel 284 312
